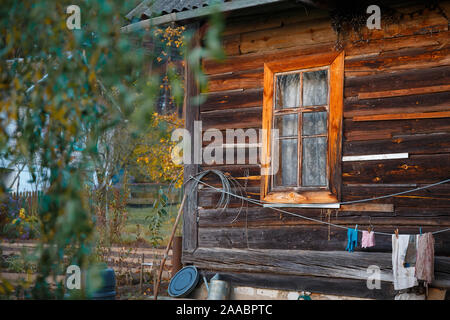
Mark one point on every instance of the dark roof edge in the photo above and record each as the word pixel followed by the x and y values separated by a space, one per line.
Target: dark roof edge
pixel 195 13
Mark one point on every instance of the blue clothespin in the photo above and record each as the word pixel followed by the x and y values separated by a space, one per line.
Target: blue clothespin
pixel 420 230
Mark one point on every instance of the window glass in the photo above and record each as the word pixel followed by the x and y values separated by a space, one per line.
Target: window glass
pixel 287 91
pixel 314 162
pixel 314 123
pixel 287 172
pixel 287 125
pixel 315 88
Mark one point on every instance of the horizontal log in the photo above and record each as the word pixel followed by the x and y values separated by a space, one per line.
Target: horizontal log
pixel 413 144
pixel 256 60
pixel 372 207
pixel 376 130
pixel 403 92
pixel 353 50
pixel 323 285
pixel 312 237
pixel 402 116
pixel 233 119
pixel 276 18
pixel 286 36
pixel 415 103
pixel 231 45
pixel 251 79
pixel 434 198
pixel 416 169
pixel 233 100
pixel 428 21
pixel 401 60
pixel 332 264
pixel 375 214
pixel 376 47
pixel 399 80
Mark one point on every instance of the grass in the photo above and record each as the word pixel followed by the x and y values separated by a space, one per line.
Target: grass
pixel 136 225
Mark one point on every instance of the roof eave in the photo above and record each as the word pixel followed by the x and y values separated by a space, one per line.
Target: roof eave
pixel 195 13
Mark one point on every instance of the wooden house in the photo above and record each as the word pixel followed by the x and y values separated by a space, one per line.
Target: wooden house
pixel 361 113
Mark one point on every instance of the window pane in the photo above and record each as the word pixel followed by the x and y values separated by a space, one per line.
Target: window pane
pixel 314 123
pixel 287 172
pixel 315 88
pixel 287 125
pixel 314 172
pixel 288 91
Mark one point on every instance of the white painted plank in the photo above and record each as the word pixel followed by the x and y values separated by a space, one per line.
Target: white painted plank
pixel 370 157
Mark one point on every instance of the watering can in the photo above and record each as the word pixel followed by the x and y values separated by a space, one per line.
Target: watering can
pixel 217 289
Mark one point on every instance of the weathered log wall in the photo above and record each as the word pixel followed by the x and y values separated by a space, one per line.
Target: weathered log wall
pixel 396 99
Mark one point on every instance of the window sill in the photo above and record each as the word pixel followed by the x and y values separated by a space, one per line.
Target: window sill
pixel 307 197
pixel 303 205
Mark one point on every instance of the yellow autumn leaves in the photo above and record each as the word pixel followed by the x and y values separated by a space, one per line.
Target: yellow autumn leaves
pixel 153 153
pixel 171 37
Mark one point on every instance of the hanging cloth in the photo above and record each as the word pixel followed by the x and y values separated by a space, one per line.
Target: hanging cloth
pixel 410 256
pixel 425 258
pixel 368 239
pixel 352 239
pixel 403 277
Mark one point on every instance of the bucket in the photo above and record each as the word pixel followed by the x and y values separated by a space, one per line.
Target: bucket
pixel 107 290
pixel 218 290
pixel 99 285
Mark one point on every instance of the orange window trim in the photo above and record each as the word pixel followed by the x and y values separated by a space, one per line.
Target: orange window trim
pixel 335 61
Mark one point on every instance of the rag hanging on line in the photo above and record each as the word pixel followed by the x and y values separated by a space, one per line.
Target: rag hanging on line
pixel 352 239
pixel 368 239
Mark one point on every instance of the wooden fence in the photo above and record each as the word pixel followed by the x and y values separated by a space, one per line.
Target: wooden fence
pixel 145 194
pixel 28 200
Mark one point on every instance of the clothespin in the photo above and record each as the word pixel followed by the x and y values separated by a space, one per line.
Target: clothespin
pixel 420 230
pixel 369 229
pixel 396 233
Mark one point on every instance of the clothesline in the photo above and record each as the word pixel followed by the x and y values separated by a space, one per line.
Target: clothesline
pixel 260 203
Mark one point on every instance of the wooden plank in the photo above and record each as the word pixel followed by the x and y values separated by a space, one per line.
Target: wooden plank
pixel 433 198
pixel 232 100
pixel 414 103
pixel 233 119
pixel 371 157
pixel 335 126
pixel 376 130
pixel 398 60
pixel 332 264
pixel 430 143
pixel 415 78
pixel 379 47
pixel 231 44
pixel 191 113
pixel 324 285
pixel 248 79
pixel 401 116
pixel 403 92
pixel 371 207
pixel 417 169
pixel 265 217
pixel 274 19
pixel 288 36
pixel 256 60
pixel 309 235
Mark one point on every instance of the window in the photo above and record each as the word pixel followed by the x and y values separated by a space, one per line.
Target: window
pixel 303 101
